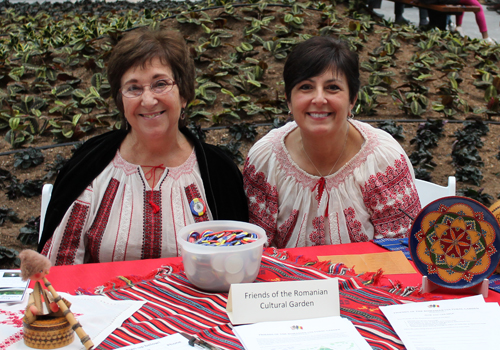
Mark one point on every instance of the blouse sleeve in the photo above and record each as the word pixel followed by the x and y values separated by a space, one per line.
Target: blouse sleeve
pixel 261 192
pixel 390 194
pixel 67 245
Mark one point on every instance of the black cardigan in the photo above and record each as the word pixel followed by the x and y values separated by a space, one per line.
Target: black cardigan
pixel 222 180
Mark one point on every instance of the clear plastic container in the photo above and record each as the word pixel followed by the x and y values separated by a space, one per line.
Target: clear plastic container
pixel 215 268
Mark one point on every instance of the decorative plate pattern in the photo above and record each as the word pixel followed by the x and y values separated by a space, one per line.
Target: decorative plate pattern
pixel 455 242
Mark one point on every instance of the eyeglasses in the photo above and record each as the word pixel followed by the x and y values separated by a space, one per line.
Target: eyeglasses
pixel 133 90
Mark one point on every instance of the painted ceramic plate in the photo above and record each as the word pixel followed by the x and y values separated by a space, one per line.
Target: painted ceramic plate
pixel 455 242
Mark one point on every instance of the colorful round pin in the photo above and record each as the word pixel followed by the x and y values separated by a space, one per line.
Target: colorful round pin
pixel 197 206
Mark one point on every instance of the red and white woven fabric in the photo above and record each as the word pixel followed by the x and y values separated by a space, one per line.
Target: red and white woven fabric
pixel 174 305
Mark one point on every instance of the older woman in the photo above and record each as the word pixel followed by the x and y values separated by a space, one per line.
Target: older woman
pixel 125 194
pixel 326 178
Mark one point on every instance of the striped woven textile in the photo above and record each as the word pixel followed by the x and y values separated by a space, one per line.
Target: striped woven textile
pixel 395 244
pixel 175 306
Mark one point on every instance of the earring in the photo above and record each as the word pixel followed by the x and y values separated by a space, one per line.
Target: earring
pixel 350 115
pixel 290 115
pixel 183 114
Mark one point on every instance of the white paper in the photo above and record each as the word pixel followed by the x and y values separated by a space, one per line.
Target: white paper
pixel 98 315
pixel 458 324
pixel 317 333
pixel 173 342
pixel 12 287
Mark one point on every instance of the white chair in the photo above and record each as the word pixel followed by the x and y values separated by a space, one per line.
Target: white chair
pixel 428 191
pixel 46 194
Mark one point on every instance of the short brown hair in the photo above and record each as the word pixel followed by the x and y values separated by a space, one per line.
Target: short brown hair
pixel 139 47
pixel 315 56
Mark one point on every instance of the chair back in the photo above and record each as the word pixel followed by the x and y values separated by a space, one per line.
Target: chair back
pixel 428 191
pixel 46 194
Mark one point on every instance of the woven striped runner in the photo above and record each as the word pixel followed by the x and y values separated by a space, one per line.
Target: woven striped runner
pixel 174 305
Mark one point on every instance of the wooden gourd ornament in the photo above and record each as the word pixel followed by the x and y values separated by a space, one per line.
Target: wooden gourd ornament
pixel 35 266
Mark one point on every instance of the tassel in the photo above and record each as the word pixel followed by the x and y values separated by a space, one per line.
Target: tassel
pixel 321 187
pixel 155 207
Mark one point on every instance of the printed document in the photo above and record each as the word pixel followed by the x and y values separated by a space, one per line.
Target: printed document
pixel 12 287
pixel 332 332
pixel 171 342
pixel 458 324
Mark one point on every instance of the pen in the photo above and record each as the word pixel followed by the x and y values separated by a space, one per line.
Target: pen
pixel 199 344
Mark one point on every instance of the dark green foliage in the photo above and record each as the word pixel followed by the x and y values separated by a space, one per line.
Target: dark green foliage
pixel 422 174
pixel 428 134
pixel 5 176
pixel 9 256
pixel 465 154
pixel 8 214
pixel 243 131
pixel 478 195
pixel 390 127
pixel 279 122
pixel 28 234
pixel 423 158
pixel 469 174
pixel 29 188
pixel 232 148
pixel 54 168
pixel 476 126
pixel 28 158
pixel 198 131
pixel 468 138
pixel 427 137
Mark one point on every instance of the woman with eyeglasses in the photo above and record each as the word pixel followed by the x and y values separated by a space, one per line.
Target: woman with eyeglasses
pixel 125 195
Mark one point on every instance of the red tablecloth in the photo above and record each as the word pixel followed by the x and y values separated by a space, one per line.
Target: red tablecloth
pixel 70 278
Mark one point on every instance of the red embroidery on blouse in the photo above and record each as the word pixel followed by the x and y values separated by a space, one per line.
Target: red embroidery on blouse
pixel 46 247
pixel 71 236
pixel 317 237
pixel 13 318
pixel 152 225
pixel 285 230
pixel 120 163
pixel 354 227
pixel 385 193
pixel 98 227
pixel 262 200
pixel 192 192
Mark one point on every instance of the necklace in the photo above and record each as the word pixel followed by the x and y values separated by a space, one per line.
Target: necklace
pixel 340 156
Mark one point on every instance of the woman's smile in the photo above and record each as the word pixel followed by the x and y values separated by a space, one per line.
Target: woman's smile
pixel 318 115
pixel 152 115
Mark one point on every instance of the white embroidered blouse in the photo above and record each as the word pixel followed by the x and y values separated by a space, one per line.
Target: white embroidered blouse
pixel 119 217
pixel 359 202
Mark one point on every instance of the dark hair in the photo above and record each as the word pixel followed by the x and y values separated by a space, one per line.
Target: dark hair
pixel 314 56
pixel 139 47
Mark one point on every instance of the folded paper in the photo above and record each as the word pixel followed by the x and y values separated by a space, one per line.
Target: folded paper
pixel 279 301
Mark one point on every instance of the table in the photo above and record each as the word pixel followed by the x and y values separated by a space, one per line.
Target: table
pixel 174 305
pixel 69 278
